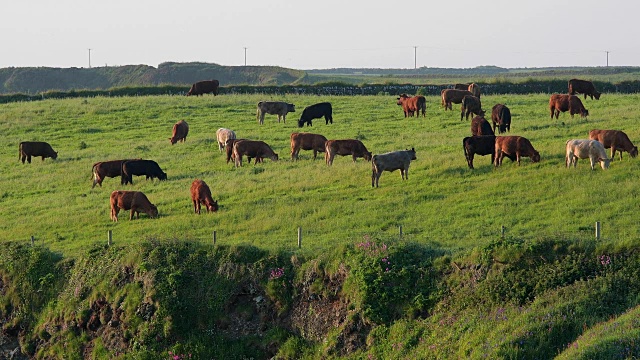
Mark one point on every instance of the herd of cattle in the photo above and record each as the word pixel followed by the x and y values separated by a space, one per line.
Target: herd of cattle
pixel 482 141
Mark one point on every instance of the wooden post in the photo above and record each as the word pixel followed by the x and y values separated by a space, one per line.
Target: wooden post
pixel 299 237
pixel 400 232
pixel 109 237
pixel 215 237
pixel 33 240
pixel 502 231
pixel 597 230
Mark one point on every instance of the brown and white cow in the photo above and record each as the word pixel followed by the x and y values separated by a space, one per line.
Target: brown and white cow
pixel 474 89
pixel 411 105
pixel 616 140
pixel 105 169
pixel 501 118
pixel 391 161
pixel 27 149
pixel 586 148
pixel 223 135
pixel 252 149
pixel 201 194
pixel 452 96
pixel 470 105
pixel 352 147
pixel 204 87
pixel 306 141
pixel 135 201
pixel 517 146
pixel 480 126
pixel 585 87
pixel 279 108
pixel 180 132
pixel 564 102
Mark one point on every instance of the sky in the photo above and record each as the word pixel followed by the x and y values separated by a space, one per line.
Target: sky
pixel 301 34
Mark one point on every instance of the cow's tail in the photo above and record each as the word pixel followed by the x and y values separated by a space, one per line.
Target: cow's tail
pixel 258 111
pixel 374 167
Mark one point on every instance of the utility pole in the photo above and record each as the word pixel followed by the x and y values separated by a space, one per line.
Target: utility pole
pixel 89 58
pixel 245 56
pixel 415 57
pixel 607 57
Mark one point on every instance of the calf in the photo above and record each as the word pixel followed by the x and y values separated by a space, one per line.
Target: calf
pixel 391 161
pixel 27 149
pixel 585 148
pixel 454 96
pixel 279 108
pixel 562 102
pixel 201 194
pixel 616 140
pixel 501 118
pixel 412 104
pixel 316 111
pixel 135 201
pixel 204 87
pixel 480 126
pixel 104 169
pixel 252 149
pixel 223 135
pixel 149 168
pixel 352 147
pixel 306 141
pixel 470 105
pixel 480 145
pixel 583 87
pixel 180 131
pixel 514 145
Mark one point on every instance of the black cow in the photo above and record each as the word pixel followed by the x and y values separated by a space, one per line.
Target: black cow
pixel 149 168
pixel 501 118
pixel 480 145
pixel 316 111
pixel 204 87
pixel 27 149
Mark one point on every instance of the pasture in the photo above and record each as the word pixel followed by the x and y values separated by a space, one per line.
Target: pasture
pixel 443 202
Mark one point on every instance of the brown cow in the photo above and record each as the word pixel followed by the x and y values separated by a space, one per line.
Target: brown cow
pixel 470 105
pixel 461 86
pixel 480 145
pixel 413 104
pixel 104 169
pixel 204 87
pixel 180 131
pixel 252 149
pixel 474 89
pixel 306 141
pixel 450 96
pixel 201 194
pixel 135 201
pixel 352 147
pixel 616 140
pixel 27 149
pixel 501 118
pixel 480 126
pixel 514 145
pixel 563 102
pixel 583 87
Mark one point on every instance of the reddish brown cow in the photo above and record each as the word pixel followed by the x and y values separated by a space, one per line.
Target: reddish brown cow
pixel 180 131
pixel 616 140
pixel 135 201
pixel 306 141
pixel 450 96
pixel 413 104
pixel 480 126
pixel 501 118
pixel 470 105
pixel 204 87
pixel 27 149
pixel 252 149
pixel 474 89
pixel 583 87
pixel 352 147
pixel 229 151
pixel 563 102
pixel 514 145
pixel 104 169
pixel 201 194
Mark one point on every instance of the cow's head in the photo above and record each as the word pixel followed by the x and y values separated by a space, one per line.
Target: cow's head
pixel 172 140
pixel 633 152
pixel 213 207
pixel 604 163
pixel 535 157
pixel 274 157
pixel 584 113
pixel 162 176
pixel 291 108
pixel 153 211
pixel 481 112
pixel 302 121
pixel 597 95
pixel 55 155
pixel 367 155
pixel 413 153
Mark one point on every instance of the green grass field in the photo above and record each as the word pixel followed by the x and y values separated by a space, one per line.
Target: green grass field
pixel 443 202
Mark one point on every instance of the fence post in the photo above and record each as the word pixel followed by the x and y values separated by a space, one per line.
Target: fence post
pixel 597 230
pixel 33 240
pixel 109 237
pixel 299 237
pixel 502 231
pixel 400 232
pixel 215 237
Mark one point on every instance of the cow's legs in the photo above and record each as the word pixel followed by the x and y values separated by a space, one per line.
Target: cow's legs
pixel 29 159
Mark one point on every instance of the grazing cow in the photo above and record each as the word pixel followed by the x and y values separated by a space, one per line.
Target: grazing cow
pixel 450 96
pixel 201 194
pixel 616 140
pixel 204 87
pixel 316 111
pixel 149 168
pixel 306 141
pixel 586 148
pixel 474 89
pixel 180 131
pixel 27 149
pixel 501 118
pixel 413 104
pixel 461 86
pixel 514 145
pixel 104 169
pixel 279 108
pixel 223 135
pixel 252 149
pixel 352 147
pixel 391 161
pixel 135 201
pixel 583 87
pixel 563 102
pixel 470 105
pixel 480 145
pixel 480 126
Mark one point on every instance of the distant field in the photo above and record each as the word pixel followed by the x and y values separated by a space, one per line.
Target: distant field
pixel 443 202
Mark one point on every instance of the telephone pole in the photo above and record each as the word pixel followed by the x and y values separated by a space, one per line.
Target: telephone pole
pixel 415 57
pixel 89 58
pixel 245 56
pixel 607 57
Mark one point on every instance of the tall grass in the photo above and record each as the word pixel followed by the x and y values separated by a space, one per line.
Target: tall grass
pixel 442 202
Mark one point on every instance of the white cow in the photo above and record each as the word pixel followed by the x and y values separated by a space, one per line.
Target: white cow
pixel 582 149
pixel 223 135
pixel 391 161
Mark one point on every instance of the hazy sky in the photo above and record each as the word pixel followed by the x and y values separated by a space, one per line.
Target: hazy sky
pixel 302 34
